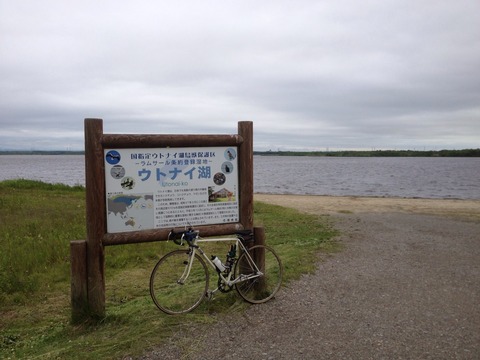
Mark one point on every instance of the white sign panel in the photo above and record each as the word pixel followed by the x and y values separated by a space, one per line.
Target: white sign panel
pixel 170 187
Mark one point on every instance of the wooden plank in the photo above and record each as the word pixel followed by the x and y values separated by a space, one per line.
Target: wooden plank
pixel 162 234
pixel 119 141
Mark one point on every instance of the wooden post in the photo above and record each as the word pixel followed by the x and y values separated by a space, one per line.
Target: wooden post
pixel 245 170
pixel 259 255
pixel 259 239
pixel 96 217
pixel 78 265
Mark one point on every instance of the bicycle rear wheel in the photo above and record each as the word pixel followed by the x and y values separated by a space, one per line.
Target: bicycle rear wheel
pixel 261 288
pixel 172 291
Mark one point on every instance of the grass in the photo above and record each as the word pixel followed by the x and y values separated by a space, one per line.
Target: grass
pixel 37 222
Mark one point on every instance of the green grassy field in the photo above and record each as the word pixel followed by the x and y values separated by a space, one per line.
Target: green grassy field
pixel 37 222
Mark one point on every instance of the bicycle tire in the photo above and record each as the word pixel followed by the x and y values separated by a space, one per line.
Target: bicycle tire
pixel 167 293
pixel 262 288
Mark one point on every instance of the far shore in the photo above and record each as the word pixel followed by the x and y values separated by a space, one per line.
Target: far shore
pixel 328 205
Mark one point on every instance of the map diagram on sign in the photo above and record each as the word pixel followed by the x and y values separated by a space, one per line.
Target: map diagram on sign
pixel 130 212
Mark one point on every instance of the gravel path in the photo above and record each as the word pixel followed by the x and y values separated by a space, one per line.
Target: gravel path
pixel 406 286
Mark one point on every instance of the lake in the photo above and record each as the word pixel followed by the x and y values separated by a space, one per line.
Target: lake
pixel 430 177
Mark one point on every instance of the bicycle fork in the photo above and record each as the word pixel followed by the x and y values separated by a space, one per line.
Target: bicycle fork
pixel 188 266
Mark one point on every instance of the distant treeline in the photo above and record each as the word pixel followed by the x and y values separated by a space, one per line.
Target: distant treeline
pixel 345 153
pixel 377 153
pixel 40 152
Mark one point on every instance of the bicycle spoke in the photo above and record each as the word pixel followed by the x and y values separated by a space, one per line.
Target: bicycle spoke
pixel 175 286
pixel 261 288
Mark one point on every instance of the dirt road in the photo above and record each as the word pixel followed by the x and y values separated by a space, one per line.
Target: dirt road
pixel 406 286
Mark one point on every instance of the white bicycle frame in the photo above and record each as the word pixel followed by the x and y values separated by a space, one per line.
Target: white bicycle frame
pixel 228 279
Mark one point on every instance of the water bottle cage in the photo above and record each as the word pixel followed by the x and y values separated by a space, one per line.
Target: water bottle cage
pixel 229 263
pixel 233 252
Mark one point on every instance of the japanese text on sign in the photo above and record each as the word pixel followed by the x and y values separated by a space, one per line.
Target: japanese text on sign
pixel 170 187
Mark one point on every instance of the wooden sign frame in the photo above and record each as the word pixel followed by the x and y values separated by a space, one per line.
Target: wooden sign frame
pixel 88 257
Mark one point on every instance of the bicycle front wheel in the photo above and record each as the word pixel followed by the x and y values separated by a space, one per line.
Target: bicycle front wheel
pixel 264 269
pixel 174 290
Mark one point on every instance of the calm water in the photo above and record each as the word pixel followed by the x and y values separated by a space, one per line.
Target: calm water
pixel 398 177
pixel 66 169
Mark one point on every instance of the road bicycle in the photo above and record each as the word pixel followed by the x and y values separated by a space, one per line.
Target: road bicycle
pixel 180 280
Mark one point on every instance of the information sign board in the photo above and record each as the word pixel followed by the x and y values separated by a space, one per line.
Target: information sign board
pixel 156 188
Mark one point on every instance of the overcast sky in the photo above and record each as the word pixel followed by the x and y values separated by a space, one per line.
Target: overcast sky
pixel 336 74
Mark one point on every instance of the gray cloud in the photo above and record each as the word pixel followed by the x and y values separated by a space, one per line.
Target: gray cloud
pixel 311 75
